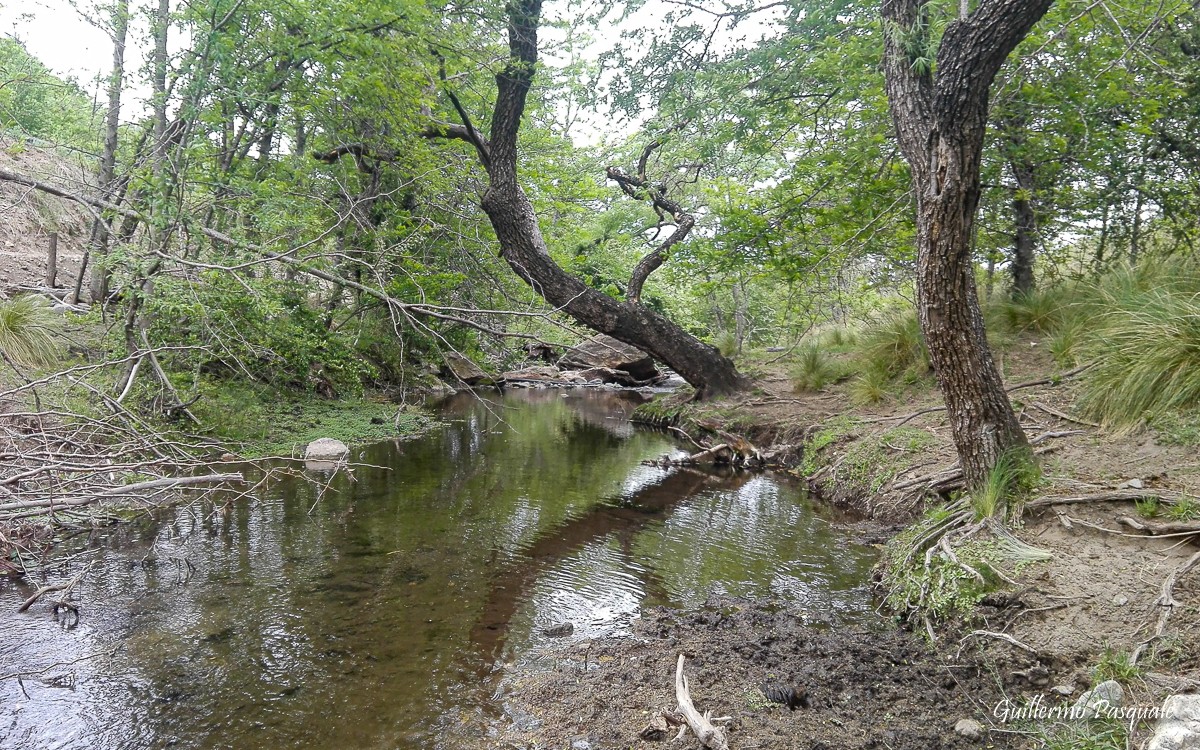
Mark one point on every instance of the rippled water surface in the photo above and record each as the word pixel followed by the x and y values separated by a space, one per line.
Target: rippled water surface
pixel 372 615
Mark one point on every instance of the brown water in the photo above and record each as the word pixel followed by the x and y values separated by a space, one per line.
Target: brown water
pixel 378 619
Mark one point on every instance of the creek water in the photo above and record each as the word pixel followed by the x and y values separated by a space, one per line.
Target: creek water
pixel 377 613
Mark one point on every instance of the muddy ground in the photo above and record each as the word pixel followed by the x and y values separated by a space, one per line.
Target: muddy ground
pixel 878 685
pixel 865 685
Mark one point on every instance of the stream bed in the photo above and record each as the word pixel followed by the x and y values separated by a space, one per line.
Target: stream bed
pixel 378 613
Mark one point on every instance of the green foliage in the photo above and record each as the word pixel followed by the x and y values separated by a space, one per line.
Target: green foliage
pixel 814 368
pixel 28 331
pixel 1040 311
pixel 1147 507
pixel 1116 665
pixel 1097 734
pixel 259 328
pixel 38 104
pixel 943 589
pixel 870 386
pixel 1184 509
pixel 726 343
pixel 1177 427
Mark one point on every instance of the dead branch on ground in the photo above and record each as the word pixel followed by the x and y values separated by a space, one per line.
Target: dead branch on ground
pixel 710 735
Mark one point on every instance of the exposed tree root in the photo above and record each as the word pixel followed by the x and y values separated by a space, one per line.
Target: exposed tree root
pixel 1166 602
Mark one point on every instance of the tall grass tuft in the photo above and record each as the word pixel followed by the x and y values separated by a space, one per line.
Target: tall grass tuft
pixel 814 368
pixel 726 343
pixel 1014 474
pixel 870 386
pixel 893 344
pixel 27 331
pixel 1144 341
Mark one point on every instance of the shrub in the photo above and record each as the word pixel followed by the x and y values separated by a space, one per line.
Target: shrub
pixel 260 328
pixel 27 331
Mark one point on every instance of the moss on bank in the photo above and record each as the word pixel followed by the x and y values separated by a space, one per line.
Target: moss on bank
pixel 260 421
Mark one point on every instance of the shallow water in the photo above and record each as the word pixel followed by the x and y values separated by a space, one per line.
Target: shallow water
pixel 373 615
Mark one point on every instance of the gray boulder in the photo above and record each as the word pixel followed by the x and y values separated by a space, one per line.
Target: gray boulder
pixel 606 352
pixel 1178 726
pixel 1097 701
pixel 464 370
pixel 326 449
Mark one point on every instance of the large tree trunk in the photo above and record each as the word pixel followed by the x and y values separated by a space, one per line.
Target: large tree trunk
pixel 523 247
pixel 940 120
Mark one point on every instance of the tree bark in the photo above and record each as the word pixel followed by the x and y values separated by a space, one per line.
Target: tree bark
pixel 98 286
pixel 940 119
pixel 1025 234
pixel 524 249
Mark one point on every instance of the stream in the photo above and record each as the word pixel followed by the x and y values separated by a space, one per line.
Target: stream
pixel 378 613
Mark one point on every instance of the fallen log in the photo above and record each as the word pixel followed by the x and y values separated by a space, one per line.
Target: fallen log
pixel 710 736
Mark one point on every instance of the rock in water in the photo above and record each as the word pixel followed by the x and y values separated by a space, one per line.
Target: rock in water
pixel 1097 701
pixel 558 631
pixel 326 449
pixel 464 370
pixel 605 351
pixel 1178 726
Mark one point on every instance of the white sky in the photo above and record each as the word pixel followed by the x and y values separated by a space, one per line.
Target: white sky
pixel 62 34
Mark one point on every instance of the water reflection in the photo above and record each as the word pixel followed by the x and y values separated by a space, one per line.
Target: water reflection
pixel 367 621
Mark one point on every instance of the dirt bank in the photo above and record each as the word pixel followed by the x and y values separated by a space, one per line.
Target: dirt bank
pixel 1062 623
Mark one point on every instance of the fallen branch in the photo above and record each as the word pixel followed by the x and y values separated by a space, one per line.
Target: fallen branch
pixel 1106 497
pixel 124 491
pixel 1000 636
pixel 1061 415
pixel 709 735
pixel 63 587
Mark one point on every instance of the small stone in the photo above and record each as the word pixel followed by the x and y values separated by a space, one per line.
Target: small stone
pixel 1120 600
pixel 656 730
pixel 1097 701
pixel 1178 726
pixel 1063 690
pixel 581 743
pixel 1132 484
pixel 968 728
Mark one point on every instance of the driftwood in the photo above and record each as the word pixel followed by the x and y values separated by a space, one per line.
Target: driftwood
pixel 710 735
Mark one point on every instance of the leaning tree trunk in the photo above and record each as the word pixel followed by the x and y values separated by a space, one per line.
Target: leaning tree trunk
pixel 940 120
pixel 524 249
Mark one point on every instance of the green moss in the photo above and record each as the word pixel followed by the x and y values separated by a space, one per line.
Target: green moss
pixel 260 421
